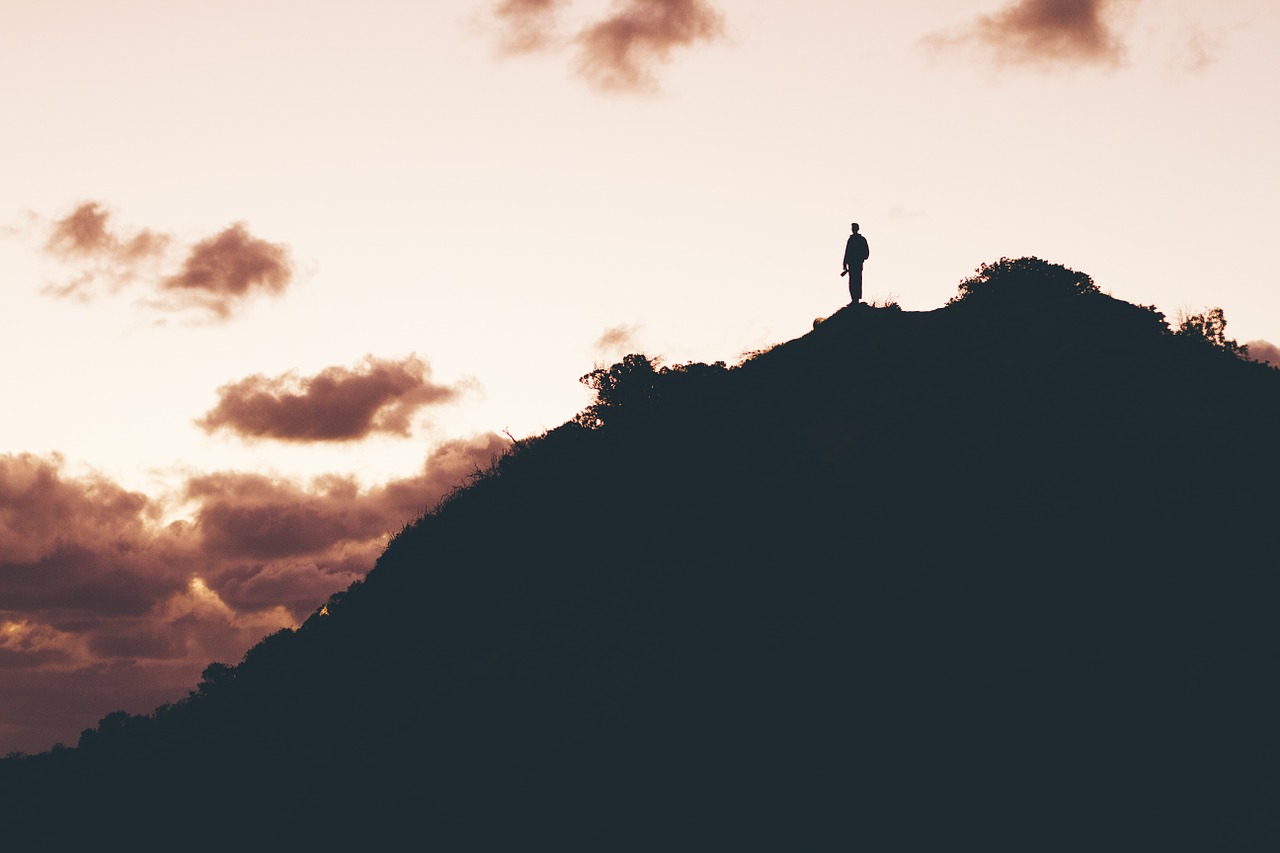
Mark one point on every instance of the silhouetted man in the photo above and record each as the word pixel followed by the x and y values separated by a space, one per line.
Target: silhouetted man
pixel 856 251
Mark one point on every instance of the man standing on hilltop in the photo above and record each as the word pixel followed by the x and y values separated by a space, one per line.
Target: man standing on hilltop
pixel 856 251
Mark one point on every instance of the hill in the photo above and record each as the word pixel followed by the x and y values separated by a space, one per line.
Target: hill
pixel 995 576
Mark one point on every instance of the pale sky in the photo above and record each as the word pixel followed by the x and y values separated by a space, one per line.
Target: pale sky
pixel 669 176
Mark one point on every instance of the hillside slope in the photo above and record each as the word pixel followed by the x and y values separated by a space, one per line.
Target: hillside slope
pixel 1000 575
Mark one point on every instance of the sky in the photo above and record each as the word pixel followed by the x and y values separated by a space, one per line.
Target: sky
pixel 276 276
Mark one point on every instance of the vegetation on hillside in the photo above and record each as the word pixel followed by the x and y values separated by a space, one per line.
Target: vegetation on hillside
pixel 1022 281
pixel 995 576
pixel 1210 327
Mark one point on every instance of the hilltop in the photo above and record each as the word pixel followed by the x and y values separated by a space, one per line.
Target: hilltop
pixel 999 575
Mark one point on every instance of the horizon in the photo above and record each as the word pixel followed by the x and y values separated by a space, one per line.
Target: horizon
pixel 278 270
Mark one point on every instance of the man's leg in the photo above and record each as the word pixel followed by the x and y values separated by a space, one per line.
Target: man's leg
pixel 855 284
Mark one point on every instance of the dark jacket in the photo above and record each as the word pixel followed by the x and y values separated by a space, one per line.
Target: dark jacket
pixel 856 250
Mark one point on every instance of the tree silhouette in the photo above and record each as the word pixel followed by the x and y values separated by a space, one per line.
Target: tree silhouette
pixel 628 384
pixel 1210 326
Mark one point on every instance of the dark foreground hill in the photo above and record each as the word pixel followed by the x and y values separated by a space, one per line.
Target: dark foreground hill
pixel 997 576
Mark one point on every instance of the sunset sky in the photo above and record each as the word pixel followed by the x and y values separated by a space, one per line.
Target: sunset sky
pixel 277 274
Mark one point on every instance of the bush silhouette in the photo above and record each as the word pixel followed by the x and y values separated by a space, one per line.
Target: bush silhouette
pixel 628 390
pixel 1211 328
pixel 1023 281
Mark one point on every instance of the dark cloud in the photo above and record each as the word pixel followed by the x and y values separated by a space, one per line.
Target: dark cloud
pixel 225 269
pixel 138 639
pixel 216 275
pixel 337 404
pixel 40 706
pixel 119 579
pixel 1047 31
pixel 527 25
pixel 42 513
pixel 619 52
pixel 258 517
pixel 105 606
pixel 78 550
pixel 295 585
pixel 253 516
pixel 1265 352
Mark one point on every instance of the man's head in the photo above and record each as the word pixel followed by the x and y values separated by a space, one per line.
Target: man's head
pixel 855 228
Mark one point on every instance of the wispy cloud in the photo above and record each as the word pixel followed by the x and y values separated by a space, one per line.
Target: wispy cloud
pixel 337 404
pixel 1265 352
pixel 1200 49
pixel 1046 32
pixel 215 275
pixel 109 257
pixel 527 25
pixel 105 606
pixel 618 340
pixel 618 52
pixel 85 233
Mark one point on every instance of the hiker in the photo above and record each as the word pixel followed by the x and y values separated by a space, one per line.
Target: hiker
pixel 856 251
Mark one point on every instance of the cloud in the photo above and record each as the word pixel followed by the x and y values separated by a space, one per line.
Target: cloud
pixel 1074 32
pixel 86 235
pixel 618 340
pixel 1265 352
pixel 215 275
pixel 527 25
pixel 337 404
pixel 244 515
pixel 224 269
pixel 250 516
pixel 448 465
pixel 71 547
pixel 42 513
pixel 104 606
pixel 84 232
pixel 42 706
pixel 1200 50
pixel 619 51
